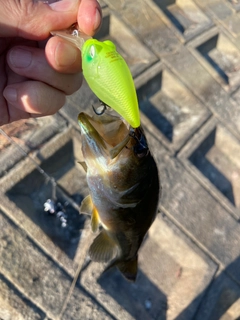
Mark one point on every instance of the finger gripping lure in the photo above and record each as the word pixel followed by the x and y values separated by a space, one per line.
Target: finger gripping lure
pixel 109 77
pixel 107 74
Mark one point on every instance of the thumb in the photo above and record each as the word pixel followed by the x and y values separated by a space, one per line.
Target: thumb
pixel 34 20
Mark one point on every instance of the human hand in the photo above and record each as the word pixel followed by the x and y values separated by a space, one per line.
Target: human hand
pixel 36 73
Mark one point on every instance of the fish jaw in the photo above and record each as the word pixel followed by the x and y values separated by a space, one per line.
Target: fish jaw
pixel 93 146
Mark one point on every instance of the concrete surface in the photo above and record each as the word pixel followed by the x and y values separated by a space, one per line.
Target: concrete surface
pixel 185 59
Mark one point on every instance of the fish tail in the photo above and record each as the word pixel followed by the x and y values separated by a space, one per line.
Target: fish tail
pixel 127 268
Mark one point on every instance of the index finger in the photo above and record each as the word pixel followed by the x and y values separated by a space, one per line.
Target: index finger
pixel 34 19
pixel 89 16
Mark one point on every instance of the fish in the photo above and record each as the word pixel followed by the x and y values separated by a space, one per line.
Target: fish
pixel 106 73
pixel 124 185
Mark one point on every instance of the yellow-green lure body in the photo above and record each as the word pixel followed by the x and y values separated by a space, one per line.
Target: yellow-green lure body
pixel 109 77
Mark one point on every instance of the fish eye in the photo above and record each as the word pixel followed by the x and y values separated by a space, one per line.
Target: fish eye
pixel 141 148
pixel 141 151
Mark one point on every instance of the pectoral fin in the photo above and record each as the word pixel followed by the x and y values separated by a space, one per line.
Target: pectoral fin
pixel 87 207
pixel 95 220
pixel 103 248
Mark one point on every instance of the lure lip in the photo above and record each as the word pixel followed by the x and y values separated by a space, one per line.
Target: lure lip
pixel 72 35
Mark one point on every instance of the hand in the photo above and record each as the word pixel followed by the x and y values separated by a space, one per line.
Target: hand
pixel 36 73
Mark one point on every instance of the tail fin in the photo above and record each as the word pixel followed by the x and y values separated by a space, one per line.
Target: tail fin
pixel 129 269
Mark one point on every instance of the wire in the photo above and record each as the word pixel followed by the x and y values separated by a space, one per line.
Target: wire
pixel 47 177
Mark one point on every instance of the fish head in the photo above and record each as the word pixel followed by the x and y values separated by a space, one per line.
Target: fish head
pixel 100 133
pixel 118 156
pixel 108 136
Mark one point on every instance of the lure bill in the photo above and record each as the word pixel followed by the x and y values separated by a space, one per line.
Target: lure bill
pixel 124 187
pixel 107 74
pixel 72 35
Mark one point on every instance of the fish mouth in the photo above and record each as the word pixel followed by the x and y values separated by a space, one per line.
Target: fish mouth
pixel 107 128
pixel 89 131
pixel 108 135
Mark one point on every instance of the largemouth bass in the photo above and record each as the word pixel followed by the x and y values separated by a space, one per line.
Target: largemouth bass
pixel 124 186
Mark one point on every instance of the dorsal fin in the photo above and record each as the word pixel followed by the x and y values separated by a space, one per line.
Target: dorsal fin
pixel 103 248
pixel 83 164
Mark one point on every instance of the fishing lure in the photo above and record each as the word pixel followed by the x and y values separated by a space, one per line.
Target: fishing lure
pixel 107 74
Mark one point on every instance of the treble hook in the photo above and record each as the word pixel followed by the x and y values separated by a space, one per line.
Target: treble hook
pixel 102 111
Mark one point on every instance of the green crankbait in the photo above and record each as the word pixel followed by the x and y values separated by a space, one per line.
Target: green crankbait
pixel 107 74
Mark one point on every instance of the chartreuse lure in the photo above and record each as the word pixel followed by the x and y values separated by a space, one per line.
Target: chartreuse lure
pixel 108 75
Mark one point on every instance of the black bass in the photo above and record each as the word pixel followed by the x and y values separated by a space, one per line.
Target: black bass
pixel 124 189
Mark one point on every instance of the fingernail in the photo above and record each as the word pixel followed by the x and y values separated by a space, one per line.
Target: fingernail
pixel 10 94
pixel 63 5
pixel 20 58
pixel 98 19
pixel 66 54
